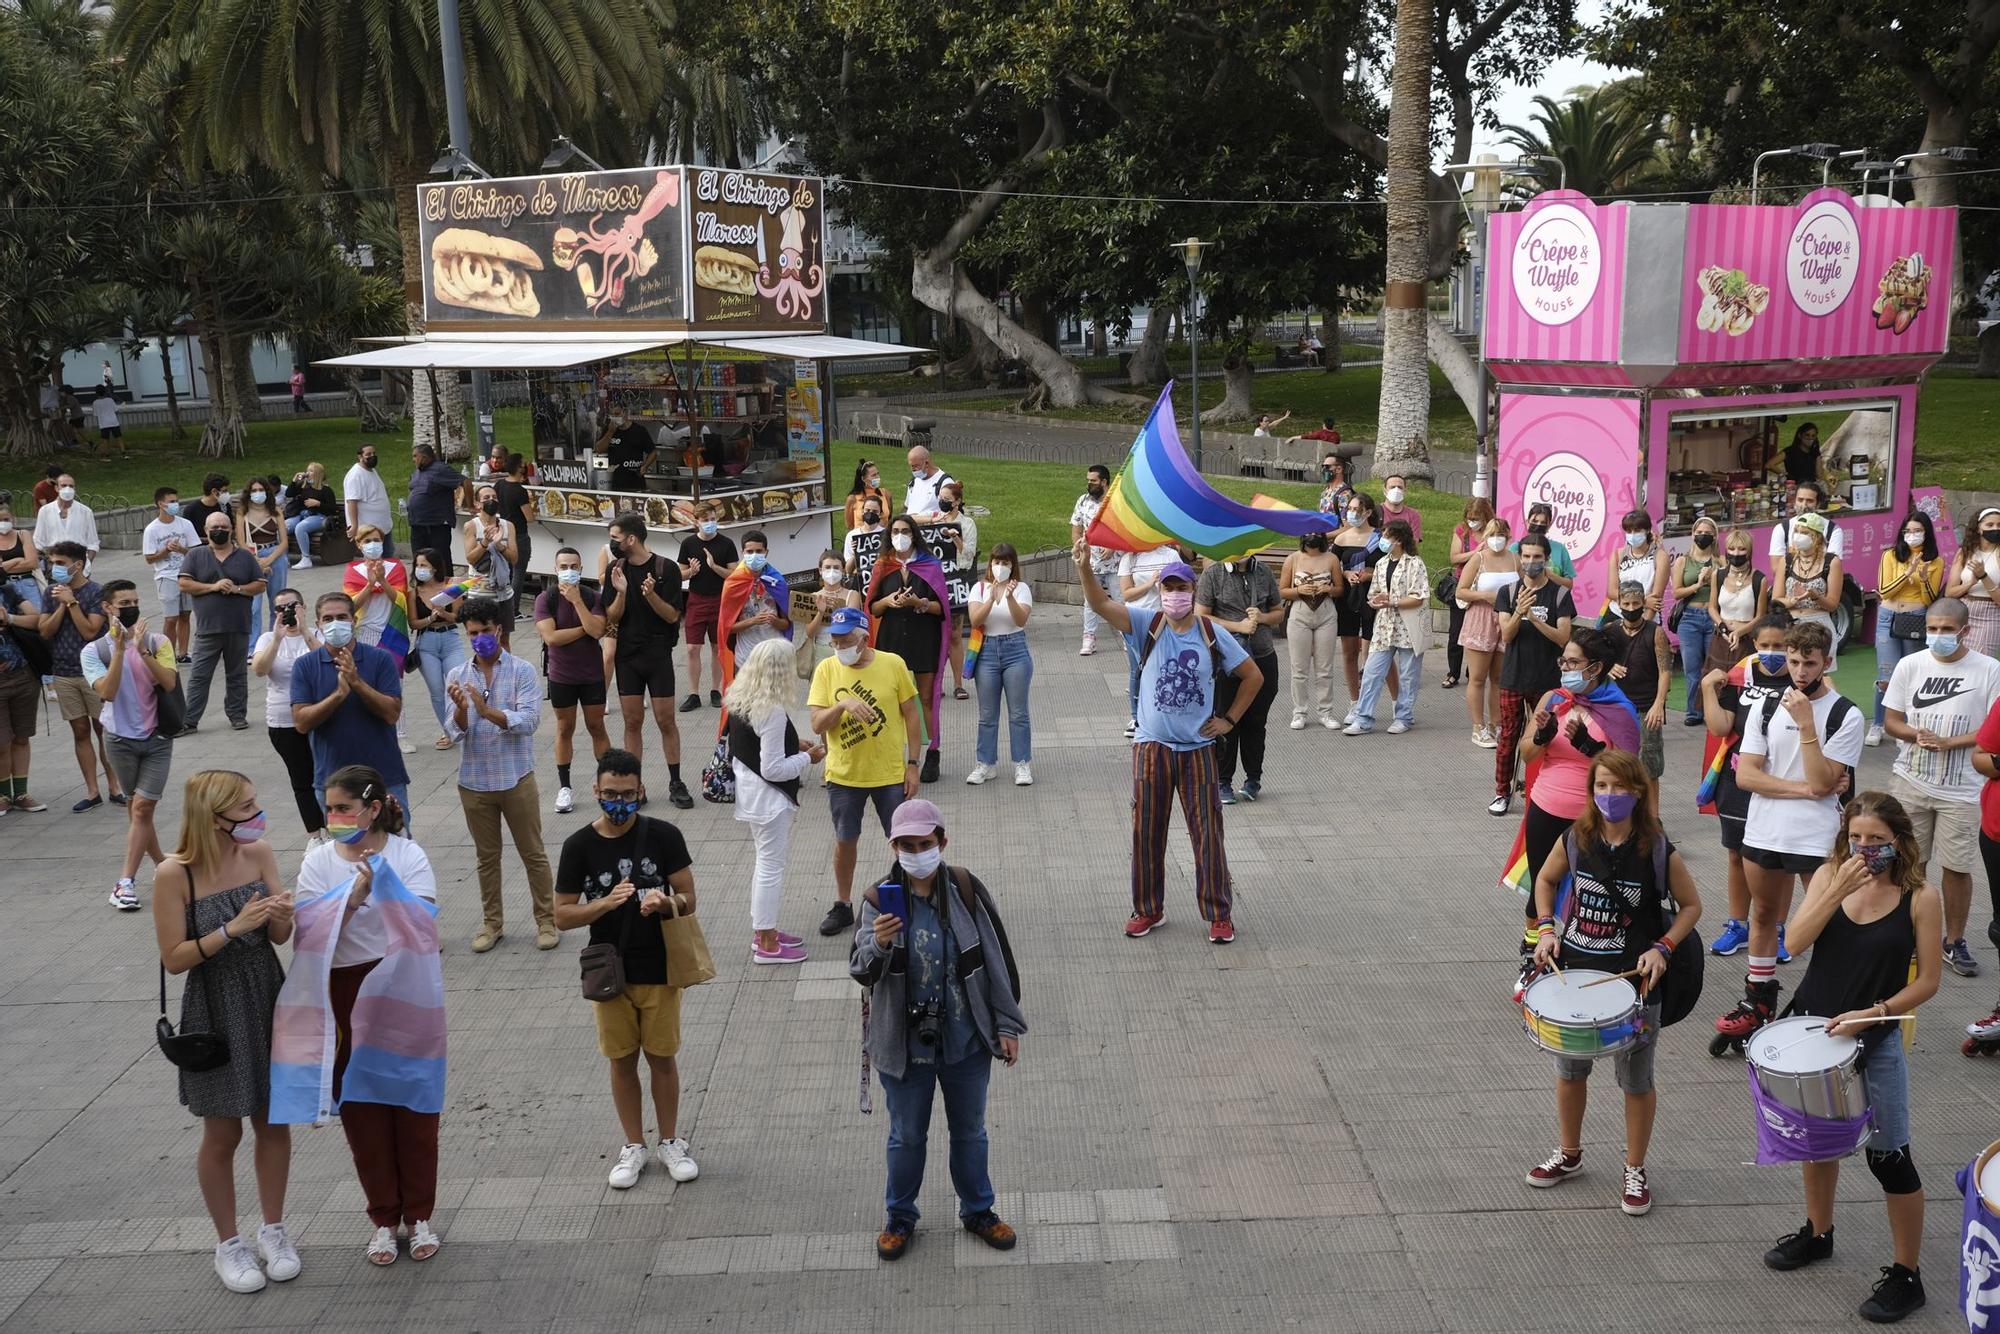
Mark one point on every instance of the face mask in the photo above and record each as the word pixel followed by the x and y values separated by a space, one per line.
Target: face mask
pixel 1538 528
pixel 1739 558
pixel 1315 544
pixel 848 655
pixel 485 645
pixel 619 811
pixel 1096 491
pixel 1943 645
pixel 708 530
pixel 1177 605
pixel 1000 573
pixel 1496 544
pixel 218 537
pixel 337 634
pixel 128 617
pixel 67 493
pixel 755 562
pixel 1534 569
pixel 59 574
pixel 342 832
pixel 921 865
pixel 1635 540
pixel 1704 540
pixel 1327 474
pixel 222 498
pixel 1877 857
pixel 1354 518
pixel 1914 541
pixel 489 507
pixel 6 526
pixel 871 516
pixel 1772 663
pixel 250 830
pixel 901 541
pixel 832 574
pixel 1573 682
pixel 1801 540
pixel 569 578
pixel 424 574
pixel 372 550
pixel 173 509
pixel 1990 536
pixel 368 462
pixel 1616 807
pixel 257 497
pixel 1395 495
pixel 1633 613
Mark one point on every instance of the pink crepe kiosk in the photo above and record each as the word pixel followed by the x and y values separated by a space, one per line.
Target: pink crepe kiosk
pixel 1663 356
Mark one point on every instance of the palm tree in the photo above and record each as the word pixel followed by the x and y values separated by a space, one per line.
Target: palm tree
pixel 1402 435
pixel 710 111
pixel 1602 139
pixel 314 90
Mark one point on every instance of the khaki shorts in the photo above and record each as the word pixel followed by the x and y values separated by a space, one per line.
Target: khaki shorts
pixel 646 1018
pixel 1947 831
pixel 76 699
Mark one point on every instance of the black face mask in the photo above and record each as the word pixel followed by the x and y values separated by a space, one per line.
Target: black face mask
pixel 1633 613
pixel 1704 540
pixel 1538 528
pixel 490 507
pixel 128 617
pixel 219 536
pixel 1315 545
pixel 1739 558
pixel 1990 536
pixel 368 461
pixel 871 516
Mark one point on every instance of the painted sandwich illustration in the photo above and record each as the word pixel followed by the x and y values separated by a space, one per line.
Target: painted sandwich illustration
pixel 1906 290
pixel 476 271
pixel 1730 302
pixel 722 270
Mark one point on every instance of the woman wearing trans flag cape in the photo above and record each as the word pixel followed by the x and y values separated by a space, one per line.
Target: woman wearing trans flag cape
pixel 360 1022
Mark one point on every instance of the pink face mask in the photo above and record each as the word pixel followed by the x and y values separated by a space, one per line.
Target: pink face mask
pixel 1176 604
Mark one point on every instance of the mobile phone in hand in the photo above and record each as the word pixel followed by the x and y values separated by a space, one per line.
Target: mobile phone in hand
pixel 893 901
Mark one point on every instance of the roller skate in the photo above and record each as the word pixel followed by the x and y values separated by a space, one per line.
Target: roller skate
pixel 1757 1008
pixel 1528 973
pixel 1982 1036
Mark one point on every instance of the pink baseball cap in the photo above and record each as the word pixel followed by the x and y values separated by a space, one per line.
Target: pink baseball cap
pixel 914 818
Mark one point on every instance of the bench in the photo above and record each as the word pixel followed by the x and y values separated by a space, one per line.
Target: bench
pixel 1288 356
pixel 885 429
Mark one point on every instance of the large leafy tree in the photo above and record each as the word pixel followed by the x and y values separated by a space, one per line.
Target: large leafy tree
pixel 352 90
pixel 64 202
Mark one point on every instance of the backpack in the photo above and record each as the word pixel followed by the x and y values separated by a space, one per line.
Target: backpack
pixel 1680 985
pixel 718 779
pixel 1215 671
pixel 1835 716
pixel 970 891
pixel 170 706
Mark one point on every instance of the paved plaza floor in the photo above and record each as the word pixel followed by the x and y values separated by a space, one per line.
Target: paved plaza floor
pixel 1323 1126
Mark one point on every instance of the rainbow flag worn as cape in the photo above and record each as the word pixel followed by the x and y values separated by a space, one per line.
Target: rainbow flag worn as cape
pixel 1619 724
pixel 1158 497
pixel 925 567
pixel 735 596
pixel 395 639
pixel 396 1039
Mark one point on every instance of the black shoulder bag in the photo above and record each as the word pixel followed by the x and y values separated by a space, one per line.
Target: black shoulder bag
pixel 193 1052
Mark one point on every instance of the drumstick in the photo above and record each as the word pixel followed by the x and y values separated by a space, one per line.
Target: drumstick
pixel 1630 972
pixel 1874 1019
pixel 1559 973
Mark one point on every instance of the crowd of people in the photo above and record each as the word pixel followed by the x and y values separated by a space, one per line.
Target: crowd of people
pixel 1573 710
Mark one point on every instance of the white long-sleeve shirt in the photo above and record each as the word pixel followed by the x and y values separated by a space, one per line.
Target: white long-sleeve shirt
pixel 79 525
pixel 757 800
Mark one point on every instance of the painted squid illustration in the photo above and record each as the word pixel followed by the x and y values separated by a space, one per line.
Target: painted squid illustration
pixel 623 252
pixel 797 286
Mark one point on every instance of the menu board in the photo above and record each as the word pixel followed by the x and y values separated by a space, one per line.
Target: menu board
pixel 756 250
pixel 804 412
pixel 582 248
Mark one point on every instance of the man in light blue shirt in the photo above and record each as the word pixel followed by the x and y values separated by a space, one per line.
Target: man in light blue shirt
pixel 1180 655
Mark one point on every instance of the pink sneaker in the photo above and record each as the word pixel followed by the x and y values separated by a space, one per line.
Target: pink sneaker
pixel 787 938
pixel 783 954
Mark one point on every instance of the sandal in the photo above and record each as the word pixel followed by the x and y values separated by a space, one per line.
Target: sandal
pixel 958 692
pixel 382 1246
pixel 424 1243
pixel 442 743
pixel 1448 683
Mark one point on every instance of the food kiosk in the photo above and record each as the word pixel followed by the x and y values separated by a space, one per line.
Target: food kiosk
pixel 687 304
pixel 1663 356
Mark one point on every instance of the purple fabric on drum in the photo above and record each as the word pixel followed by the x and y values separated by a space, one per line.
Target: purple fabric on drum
pixel 1978 1256
pixel 1788 1136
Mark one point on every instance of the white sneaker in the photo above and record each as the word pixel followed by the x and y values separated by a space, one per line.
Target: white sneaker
pixel 1398 727
pixel 281 1258
pixel 407 747
pixel 1356 728
pixel 1347 719
pixel 237 1267
pixel 674 1154
pixel 304 563
pixel 631 1162
pixel 317 837
pixel 1483 738
pixel 122 897
pixel 1023 776
pixel 1874 737
pixel 565 801
pixel 1298 722
pixel 980 773
pixel 1131 728
pixel 1329 722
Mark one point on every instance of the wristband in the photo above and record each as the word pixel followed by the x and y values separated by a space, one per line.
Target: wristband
pixel 1545 921
pixel 1544 930
pixel 225 933
pixel 1665 947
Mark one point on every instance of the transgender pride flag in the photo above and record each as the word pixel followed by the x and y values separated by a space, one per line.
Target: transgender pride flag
pixel 1158 497
pixel 397 1037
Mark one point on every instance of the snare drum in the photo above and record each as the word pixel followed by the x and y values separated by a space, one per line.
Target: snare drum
pixel 1566 1017
pixel 1986 1177
pixel 1798 1064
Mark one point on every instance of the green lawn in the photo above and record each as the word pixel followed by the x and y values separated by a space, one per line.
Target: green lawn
pixel 1958 421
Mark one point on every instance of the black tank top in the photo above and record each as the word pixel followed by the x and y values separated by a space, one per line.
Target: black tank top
pixel 1855 966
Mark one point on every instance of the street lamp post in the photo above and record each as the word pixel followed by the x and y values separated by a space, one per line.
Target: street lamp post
pixel 451 49
pixel 1190 252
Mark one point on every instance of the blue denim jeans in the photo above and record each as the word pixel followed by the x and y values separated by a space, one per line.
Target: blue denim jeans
pixel 1696 632
pixel 438 651
pixel 1375 678
pixel 302 527
pixel 1888 652
pixel 909 1100
pixel 1004 665
pixel 262 616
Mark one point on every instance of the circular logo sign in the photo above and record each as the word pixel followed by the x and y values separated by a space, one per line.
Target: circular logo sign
pixel 1823 257
pixel 1557 264
pixel 1571 488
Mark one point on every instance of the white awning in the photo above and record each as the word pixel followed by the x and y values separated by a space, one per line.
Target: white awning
pixel 811 347
pixel 438 354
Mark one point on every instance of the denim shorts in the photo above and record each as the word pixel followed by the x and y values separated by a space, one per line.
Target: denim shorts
pixel 848 804
pixel 1887 1077
pixel 1632 1067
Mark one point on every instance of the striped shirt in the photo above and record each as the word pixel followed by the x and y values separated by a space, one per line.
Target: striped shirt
pixel 496 758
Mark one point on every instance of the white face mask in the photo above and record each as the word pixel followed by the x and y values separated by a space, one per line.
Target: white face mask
pixel 831 574
pixel 6 526
pixel 372 550
pixel 921 865
pixel 67 493
pixel 1801 540
pixel 901 541
pixel 569 578
pixel 1496 544
pixel 1914 541
pixel 257 497
pixel 848 655
pixel 1395 494
pixel 423 574
pixel 1000 573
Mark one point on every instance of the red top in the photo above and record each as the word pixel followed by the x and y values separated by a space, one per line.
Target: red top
pixel 1989 796
pixel 1331 437
pixel 45 492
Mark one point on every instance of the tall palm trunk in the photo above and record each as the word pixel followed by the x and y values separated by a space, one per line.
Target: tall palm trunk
pixel 1402 438
pixel 438 418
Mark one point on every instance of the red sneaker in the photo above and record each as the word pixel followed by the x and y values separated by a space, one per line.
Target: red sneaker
pixel 1141 923
pixel 1559 1167
pixel 1636 1198
pixel 1221 932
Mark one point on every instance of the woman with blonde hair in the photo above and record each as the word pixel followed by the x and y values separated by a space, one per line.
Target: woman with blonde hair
pixel 765 754
pixel 218 908
pixel 1740 597
pixel 1809 577
pixel 1493 567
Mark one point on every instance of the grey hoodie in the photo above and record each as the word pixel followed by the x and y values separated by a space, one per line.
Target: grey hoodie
pixel 981 969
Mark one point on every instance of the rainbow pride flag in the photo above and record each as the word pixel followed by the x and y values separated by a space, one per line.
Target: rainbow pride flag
pixel 395 639
pixel 1158 497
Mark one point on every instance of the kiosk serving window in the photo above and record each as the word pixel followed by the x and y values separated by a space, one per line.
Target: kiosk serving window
pixel 1739 468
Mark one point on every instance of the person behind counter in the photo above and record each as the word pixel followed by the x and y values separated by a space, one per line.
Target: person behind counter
pixel 1802 455
pixel 706 559
pixel 631 448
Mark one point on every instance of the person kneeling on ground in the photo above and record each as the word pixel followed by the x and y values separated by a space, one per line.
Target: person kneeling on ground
pixel 932 951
